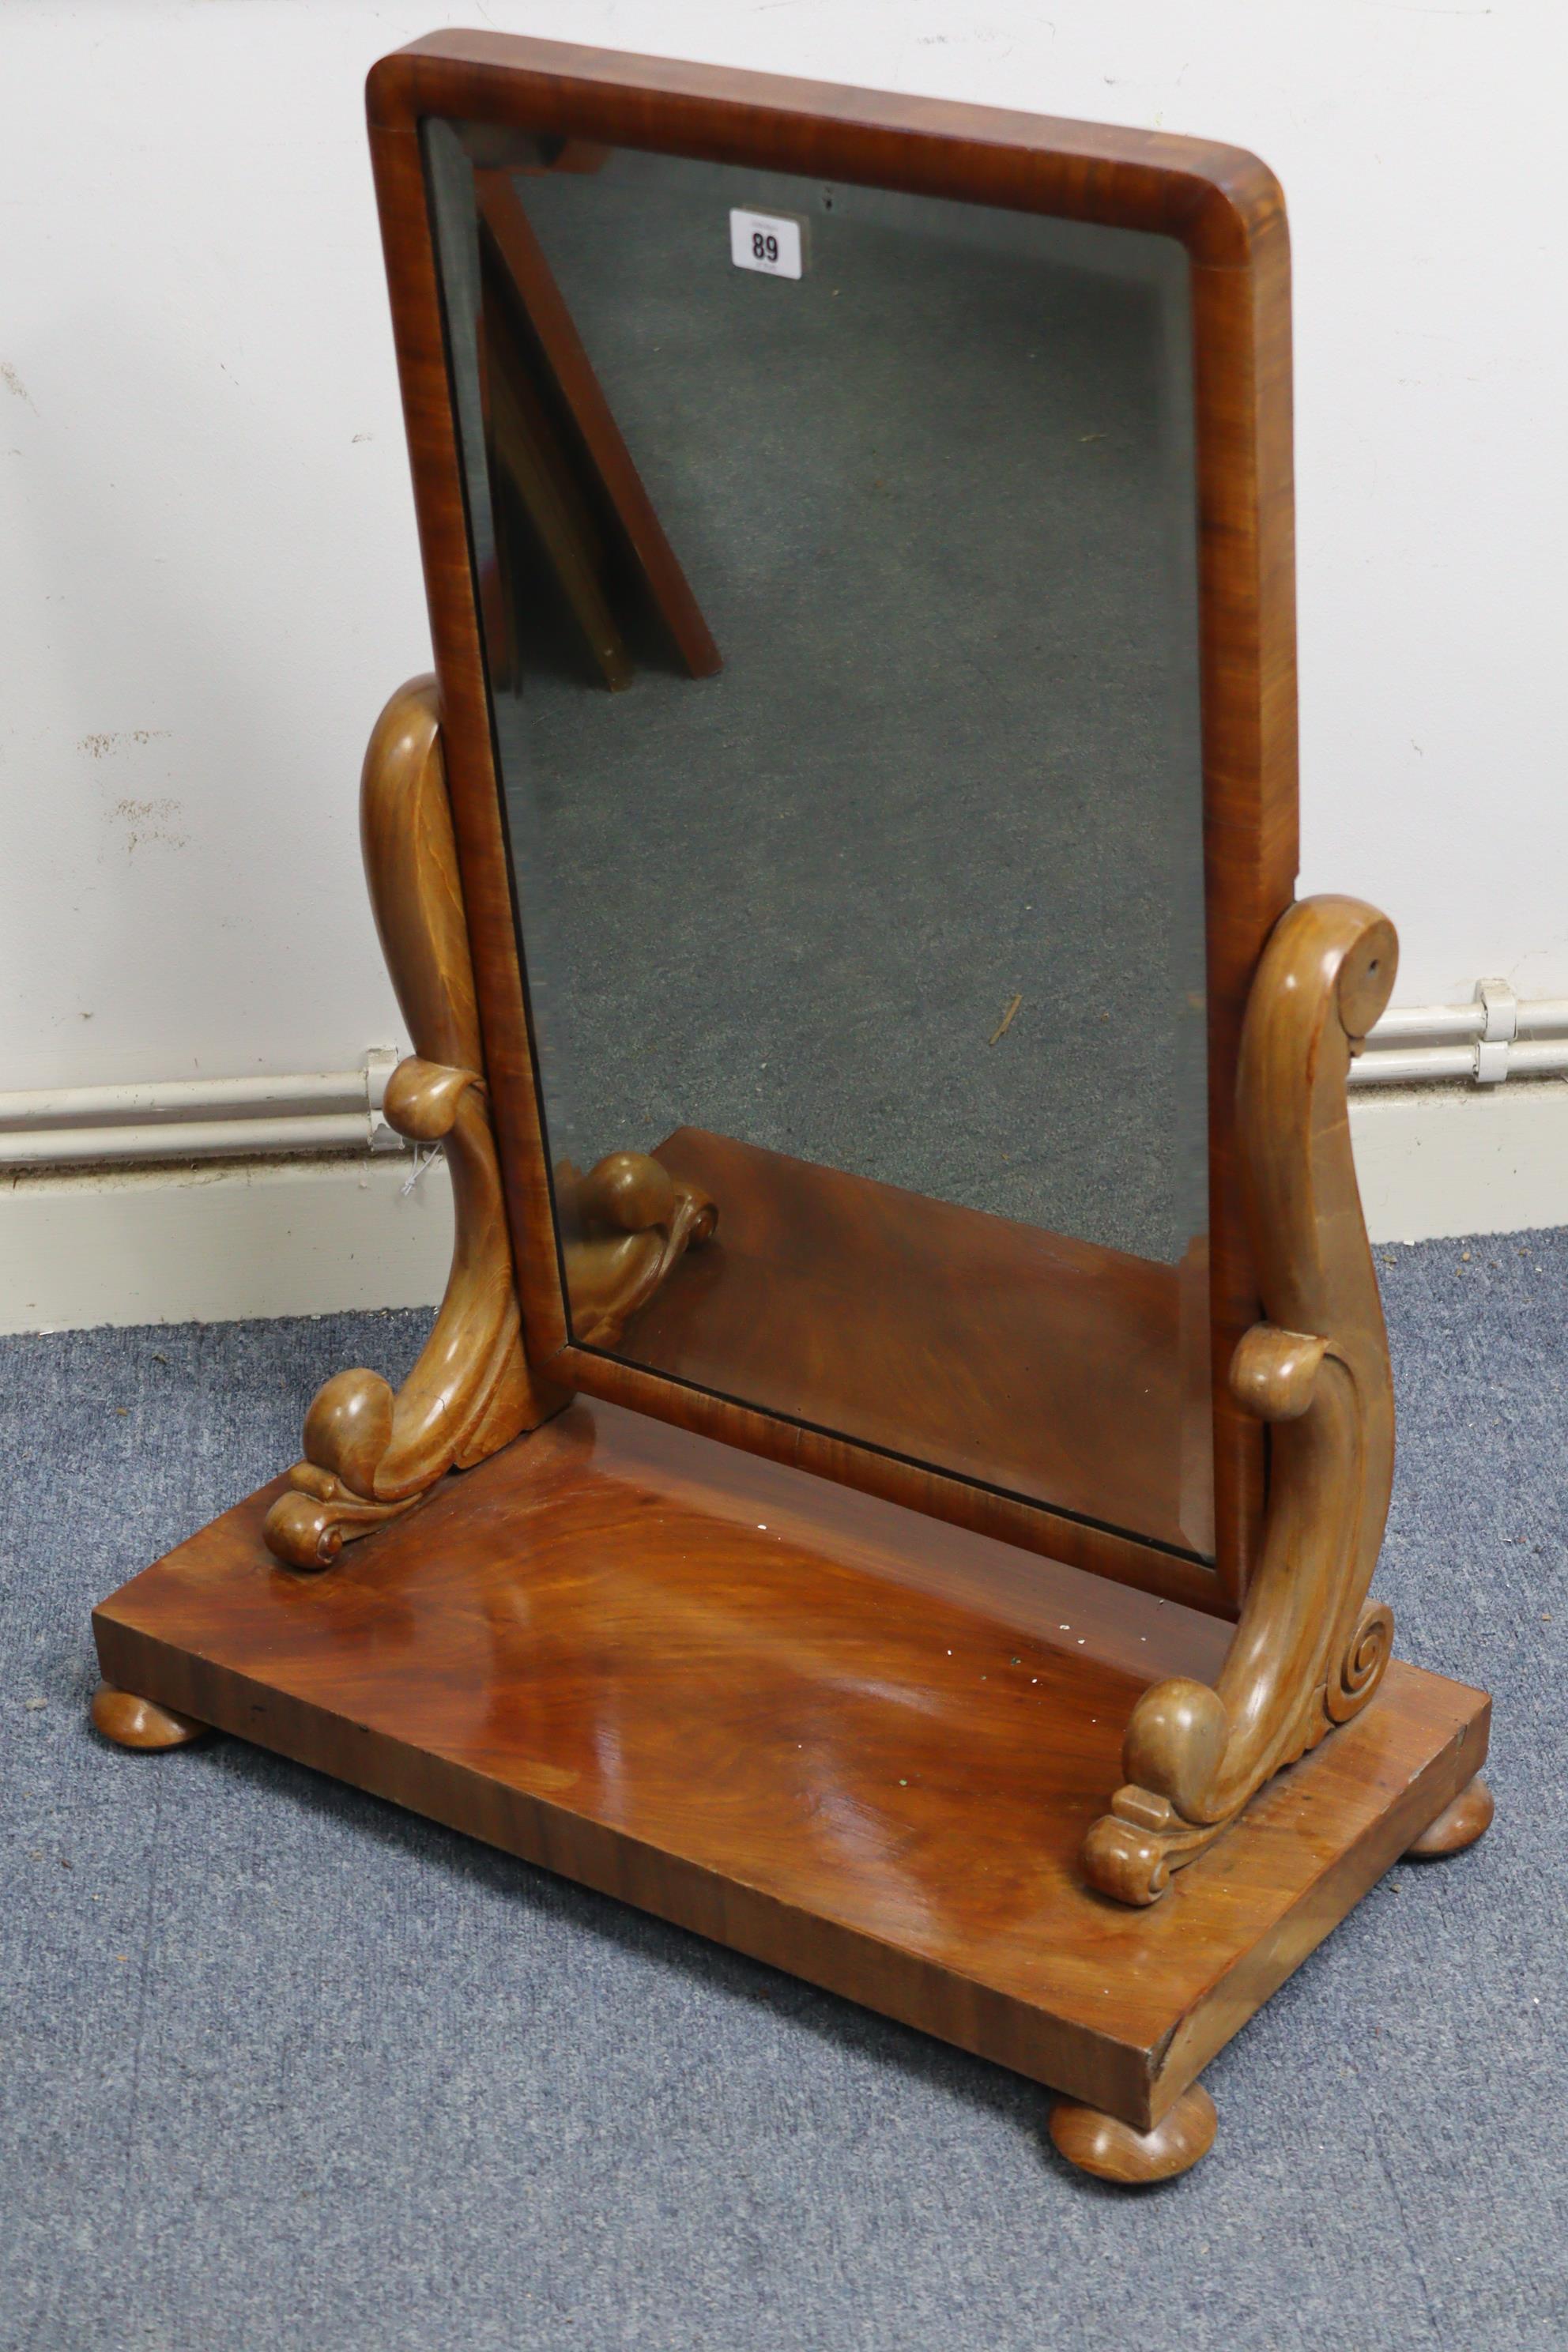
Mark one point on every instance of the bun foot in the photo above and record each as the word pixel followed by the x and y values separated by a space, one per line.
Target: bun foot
pixel 1458 1825
pixel 141 1722
pixel 1113 2151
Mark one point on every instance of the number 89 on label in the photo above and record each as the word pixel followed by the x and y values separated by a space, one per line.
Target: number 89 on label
pixel 771 242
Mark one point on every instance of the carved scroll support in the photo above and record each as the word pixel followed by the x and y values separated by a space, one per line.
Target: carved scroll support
pixel 371 1454
pixel 1309 1650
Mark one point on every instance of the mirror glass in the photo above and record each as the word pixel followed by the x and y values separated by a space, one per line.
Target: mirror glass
pixel 834 552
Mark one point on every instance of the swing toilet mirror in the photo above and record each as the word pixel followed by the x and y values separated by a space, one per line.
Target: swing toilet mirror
pixel 839 889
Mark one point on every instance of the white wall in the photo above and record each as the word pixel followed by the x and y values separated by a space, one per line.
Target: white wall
pixel 208 579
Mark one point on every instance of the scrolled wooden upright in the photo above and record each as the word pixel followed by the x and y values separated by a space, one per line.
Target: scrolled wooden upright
pixel 1309 1650
pixel 371 1454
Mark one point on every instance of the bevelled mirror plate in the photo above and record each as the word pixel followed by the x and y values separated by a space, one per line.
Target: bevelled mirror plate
pixel 834 551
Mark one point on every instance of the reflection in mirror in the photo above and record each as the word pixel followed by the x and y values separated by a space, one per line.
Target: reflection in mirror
pixel 836 559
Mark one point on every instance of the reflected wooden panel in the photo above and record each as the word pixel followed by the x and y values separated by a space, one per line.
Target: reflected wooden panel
pixel 844 1739
pixel 1042 1365
pixel 538 356
pixel 531 471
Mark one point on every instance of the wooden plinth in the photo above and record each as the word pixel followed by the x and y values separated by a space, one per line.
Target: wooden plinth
pixel 851 1742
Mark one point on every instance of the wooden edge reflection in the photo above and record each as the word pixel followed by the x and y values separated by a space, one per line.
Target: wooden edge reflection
pixel 561 351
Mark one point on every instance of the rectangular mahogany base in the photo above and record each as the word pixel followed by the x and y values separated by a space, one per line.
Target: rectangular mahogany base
pixel 854 1742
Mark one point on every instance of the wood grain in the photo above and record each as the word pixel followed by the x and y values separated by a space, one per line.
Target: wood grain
pixel 1225 207
pixel 814 1727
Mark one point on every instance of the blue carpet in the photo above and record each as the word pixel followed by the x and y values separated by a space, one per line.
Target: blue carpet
pixel 284 2067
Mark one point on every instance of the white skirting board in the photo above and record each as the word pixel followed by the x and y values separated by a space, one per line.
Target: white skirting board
pixel 214 1241
pixel 1436 1161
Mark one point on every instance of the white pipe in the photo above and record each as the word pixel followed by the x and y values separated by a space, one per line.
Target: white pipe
pixel 338 1110
pixel 1524 1058
pixel 1413 1066
pixel 1502 1039
pixel 1539 1058
pixel 176 1097
pixel 1434 1024
pixel 201 1118
pixel 196 1139
pixel 1405 1023
pixel 1547 1017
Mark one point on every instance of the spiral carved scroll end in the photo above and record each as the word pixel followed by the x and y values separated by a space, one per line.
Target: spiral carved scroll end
pixel 1131 1861
pixel 1363 1664
pixel 1179 1796
pixel 308 1527
pixel 1172 1755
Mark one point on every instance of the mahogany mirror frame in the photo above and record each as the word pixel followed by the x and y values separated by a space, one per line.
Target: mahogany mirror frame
pixel 1226 209
pixel 744 1641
